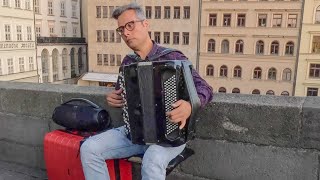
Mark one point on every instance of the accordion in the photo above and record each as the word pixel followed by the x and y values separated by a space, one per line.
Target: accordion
pixel 149 90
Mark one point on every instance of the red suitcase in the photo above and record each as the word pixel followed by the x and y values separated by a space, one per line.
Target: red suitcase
pixel 62 158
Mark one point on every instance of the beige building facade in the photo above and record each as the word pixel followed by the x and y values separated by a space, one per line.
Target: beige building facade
pixel 61 50
pixel 17 41
pixel 250 47
pixel 308 70
pixel 173 23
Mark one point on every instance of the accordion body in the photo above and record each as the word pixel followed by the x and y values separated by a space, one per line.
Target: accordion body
pixel 149 90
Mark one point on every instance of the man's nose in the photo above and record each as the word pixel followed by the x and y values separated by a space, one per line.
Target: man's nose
pixel 126 32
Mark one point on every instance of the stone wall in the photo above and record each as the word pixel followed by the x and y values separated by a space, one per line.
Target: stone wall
pixel 238 136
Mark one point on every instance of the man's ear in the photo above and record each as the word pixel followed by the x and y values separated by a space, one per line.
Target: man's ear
pixel 146 23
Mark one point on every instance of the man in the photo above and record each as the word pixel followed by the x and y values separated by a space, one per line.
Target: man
pixel 112 144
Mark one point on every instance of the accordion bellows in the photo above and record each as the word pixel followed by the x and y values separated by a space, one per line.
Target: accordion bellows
pixel 150 89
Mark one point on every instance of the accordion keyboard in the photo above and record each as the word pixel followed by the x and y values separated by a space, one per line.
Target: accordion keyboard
pixel 170 97
pixel 125 114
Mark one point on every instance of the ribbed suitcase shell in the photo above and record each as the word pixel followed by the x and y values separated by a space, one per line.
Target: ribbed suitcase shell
pixel 62 158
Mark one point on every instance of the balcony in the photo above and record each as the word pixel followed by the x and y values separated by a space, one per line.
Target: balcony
pixel 61 40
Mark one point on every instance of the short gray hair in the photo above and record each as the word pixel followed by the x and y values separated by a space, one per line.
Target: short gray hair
pixel 132 6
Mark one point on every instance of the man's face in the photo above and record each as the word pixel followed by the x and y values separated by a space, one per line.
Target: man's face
pixel 137 34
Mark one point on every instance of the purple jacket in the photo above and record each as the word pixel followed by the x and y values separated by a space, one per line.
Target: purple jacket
pixel 204 90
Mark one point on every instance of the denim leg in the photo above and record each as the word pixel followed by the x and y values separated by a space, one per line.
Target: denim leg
pixel 111 144
pixel 156 160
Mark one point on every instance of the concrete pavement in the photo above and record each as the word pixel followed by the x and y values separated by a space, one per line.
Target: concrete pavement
pixel 9 171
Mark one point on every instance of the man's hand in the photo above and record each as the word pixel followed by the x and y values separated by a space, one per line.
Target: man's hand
pixel 114 98
pixel 180 113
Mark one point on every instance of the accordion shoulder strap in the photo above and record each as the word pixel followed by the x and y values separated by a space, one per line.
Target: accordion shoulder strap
pixel 156 56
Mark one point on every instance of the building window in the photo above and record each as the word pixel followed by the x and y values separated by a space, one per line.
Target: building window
pixel 37 6
pixel 111 8
pixel 118 38
pixel 312 91
pixel 31 64
pixel 98 11
pixel 256 91
pixel 63 8
pixel 236 90
pixel 112 36
pixel 118 59
pixel 225 47
pixel 157 13
pixel 223 71
pixel 105 11
pixel 63 31
pixel 74 9
pixel 277 20
pixel 21 64
pixel 5 3
pixel 19 33
pixel 317 18
pixel 98 35
pixel 314 71
pixel 270 92
pixel 51 30
pixel 75 31
pixel 222 90
pixel 239 47
pixel 226 19
pixel 237 72
pixel 0 67
pixel 176 12
pixel 286 76
pixel 29 33
pixel 316 44
pixel 28 6
pixel 257 73
pixel 209 70
pixel 260 47
pixel 186 12
pixel 38 30
pixel 106 59
pixel 292 20
pixel 148 12
pixel 262 20
pixel 241 22
pixel 105 35
pixel 212 19
pixel 167 10
pixel 10 66
pixel 18 3
pixel 185 38
pixel 274 50
pixel 166 38
pixel 211 45
pixel 285 93
pixel 157 37
pixel 7 30
pixel 50 8
pixel 272 74
pixel 99 59
pixel 289 48
pixel 112 59
pixel 176 37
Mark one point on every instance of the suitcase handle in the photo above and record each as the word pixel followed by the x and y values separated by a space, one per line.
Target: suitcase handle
pixel 82 100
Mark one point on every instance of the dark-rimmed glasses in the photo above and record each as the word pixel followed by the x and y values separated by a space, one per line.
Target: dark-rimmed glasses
pixel 129 26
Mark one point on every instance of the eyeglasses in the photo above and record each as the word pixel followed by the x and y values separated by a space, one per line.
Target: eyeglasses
pixel 129 26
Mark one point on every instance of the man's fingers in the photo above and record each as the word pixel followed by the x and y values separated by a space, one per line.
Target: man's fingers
pixel 115 104
pixel 177 104
pixel 183 123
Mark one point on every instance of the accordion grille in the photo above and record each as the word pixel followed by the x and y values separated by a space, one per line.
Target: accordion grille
pixel 125 114
pixel 170 97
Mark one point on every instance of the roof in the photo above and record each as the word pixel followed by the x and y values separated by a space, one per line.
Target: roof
pixel 100 77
